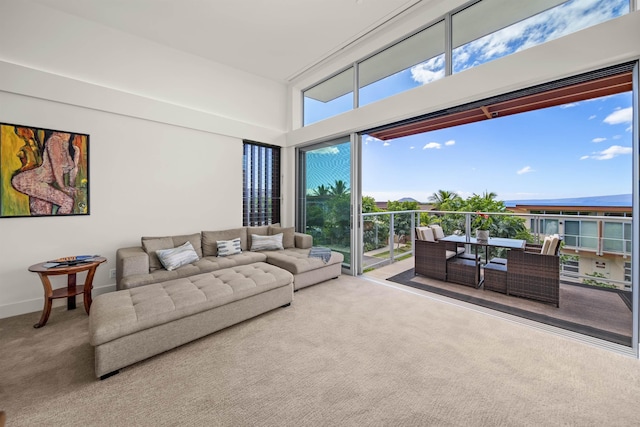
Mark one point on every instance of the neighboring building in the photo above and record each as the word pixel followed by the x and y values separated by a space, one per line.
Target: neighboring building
pixel 596 243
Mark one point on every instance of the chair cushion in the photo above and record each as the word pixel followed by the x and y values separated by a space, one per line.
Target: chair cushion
pixel 545 245
pixel 437 231
pixel 553 244
pixel 425 233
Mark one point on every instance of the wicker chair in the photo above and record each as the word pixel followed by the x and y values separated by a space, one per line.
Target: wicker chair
pixel 431 256
pixel 534 276
pixel 495 277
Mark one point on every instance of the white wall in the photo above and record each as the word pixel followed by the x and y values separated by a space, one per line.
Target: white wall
pixel 165 130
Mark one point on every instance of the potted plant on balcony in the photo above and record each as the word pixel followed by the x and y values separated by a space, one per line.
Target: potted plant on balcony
pixel 482 222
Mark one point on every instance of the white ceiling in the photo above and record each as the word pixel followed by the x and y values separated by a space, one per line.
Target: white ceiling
pixel 276 39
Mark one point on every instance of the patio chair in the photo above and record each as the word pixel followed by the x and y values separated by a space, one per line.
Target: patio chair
pixel 534 275
pixel 463 271
pixel 431 256
pixel 495 277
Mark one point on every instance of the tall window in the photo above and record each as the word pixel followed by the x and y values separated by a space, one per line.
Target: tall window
pixel 260 184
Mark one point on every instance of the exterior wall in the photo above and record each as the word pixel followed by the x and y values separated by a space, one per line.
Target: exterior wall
pixel 165 130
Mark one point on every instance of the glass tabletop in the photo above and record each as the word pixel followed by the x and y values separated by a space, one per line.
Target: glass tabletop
pixel 500 242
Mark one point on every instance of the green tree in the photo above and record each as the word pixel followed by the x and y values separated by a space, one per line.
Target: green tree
pixel 339 188
pixel 440 197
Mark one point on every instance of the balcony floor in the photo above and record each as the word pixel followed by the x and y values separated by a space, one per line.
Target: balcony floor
pixel 595 312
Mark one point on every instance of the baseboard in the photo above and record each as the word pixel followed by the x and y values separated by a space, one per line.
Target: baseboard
pixel 36 304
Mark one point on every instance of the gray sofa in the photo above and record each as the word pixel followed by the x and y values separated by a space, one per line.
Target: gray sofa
pixel 138 266
pixel 154 310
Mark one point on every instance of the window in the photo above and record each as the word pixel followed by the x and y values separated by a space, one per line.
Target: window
pixel 507 27
pixel 329 98
pixel 581 234
pixel 617 237
pixel 570 266
pixel 627 273
pixel 479 33
pixel 547 226
pixel 412 62
pixel 261 184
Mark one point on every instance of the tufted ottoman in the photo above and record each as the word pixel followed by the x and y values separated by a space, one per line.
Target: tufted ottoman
pixel 131 325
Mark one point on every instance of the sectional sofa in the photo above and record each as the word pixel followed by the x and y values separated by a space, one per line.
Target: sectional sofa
pixel 228 276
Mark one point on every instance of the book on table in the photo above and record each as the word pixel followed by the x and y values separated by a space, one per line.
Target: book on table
pixel 70 261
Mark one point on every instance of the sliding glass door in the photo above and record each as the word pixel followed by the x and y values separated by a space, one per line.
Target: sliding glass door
pixel 324 195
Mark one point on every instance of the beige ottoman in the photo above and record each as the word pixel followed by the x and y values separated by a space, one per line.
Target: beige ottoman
pixel 131 325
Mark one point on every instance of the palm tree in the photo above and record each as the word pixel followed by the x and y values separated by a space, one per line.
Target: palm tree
pixel 440 197
pixel 321 191
pixel 339 188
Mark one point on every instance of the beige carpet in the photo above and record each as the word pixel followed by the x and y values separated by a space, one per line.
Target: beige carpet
pixel 346 352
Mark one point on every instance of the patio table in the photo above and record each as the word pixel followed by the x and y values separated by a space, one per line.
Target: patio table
pixel 493 242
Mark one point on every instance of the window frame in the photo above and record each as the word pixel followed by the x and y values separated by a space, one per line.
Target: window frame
pixel 261 186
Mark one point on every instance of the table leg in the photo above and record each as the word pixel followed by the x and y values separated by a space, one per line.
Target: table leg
pixel 88 287
pixel 48 293
pixel 71 285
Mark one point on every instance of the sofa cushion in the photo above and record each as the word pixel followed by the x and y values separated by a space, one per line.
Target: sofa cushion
pixel 204 265
pixel 210 239
pixel 266 243
pixel 298 261
pixel 288 235
pixel 152 244
pixel 229 247
pixel 177 257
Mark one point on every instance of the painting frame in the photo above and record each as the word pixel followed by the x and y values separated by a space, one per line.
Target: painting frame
pixel 43 172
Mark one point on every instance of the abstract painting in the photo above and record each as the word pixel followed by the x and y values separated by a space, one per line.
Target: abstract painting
pixel 43 172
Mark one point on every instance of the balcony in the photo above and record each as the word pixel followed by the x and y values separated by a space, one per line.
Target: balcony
pixel 595 273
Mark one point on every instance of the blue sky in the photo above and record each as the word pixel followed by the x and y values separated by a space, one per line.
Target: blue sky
pixel 575 150
pixel 581 149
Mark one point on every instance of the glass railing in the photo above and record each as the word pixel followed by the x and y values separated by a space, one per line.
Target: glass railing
pixel 593 251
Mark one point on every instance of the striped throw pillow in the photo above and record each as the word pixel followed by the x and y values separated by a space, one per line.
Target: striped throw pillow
pixel 177 257
pixel 229 247
pixel 266 243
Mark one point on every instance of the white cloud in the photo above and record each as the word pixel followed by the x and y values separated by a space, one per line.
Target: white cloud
pixel 327 150
pixel 412 147
pixel 549 25
pixel 616 137
pixel 450 143
pixel 569 105
pixel 370 138
pixel 526 169
pixel 386 144
pixel 629 129
pixel 596 140
pixel 622 115
pixel 609 153
pixel 428 71
pixel 591 117
pixel 432 145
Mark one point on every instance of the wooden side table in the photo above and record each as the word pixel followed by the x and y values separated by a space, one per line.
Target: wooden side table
pixel 71 290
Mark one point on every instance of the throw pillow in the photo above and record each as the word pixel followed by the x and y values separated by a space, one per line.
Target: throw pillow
pixel 288 235
pixel 151 245
pixel 266 243
pixel 229 247
pixel 177 257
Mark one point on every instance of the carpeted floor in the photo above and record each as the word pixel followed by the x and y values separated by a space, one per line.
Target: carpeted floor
pixel 599 313
pixel 348 352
